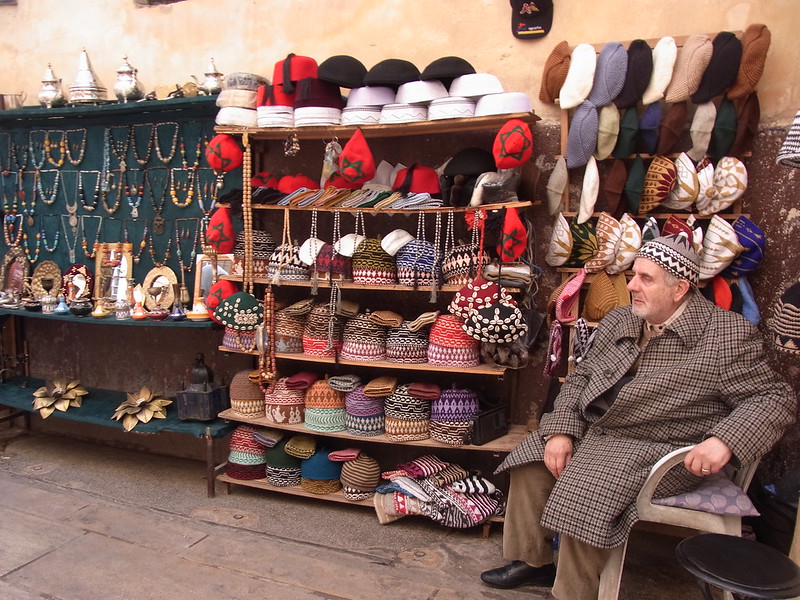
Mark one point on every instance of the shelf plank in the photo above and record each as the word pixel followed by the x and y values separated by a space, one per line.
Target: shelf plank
pixel 396 211
pixel 680 215
pixel 380 131
pixel 350 285
pixel 482 369
pixel 110 320
pixel 505 443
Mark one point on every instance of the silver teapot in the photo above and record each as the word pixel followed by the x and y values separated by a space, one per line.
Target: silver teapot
pixel 51 95
pixel 212 84
pixel 126 87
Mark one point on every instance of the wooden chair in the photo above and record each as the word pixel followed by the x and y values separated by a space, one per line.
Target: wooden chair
pixel 670 515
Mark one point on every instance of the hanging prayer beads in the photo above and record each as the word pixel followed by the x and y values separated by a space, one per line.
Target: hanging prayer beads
pixel 61 144
pixel 71 147
pixel 166 159
pixel 148 144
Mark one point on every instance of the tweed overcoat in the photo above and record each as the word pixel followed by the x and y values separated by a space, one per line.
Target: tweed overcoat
pixel 705 375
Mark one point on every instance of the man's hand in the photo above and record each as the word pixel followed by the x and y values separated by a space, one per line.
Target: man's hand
pixel 707 457
pixel 557 453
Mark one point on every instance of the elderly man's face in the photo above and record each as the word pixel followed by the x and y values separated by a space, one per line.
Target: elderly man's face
pixel 653 299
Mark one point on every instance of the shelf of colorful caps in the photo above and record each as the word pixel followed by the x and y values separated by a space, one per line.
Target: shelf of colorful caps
pixel 398 211
pixel 568 214
pixel 110 320
pixel 349 285
pixel 505 443
pixel 482 369
pixel 381 130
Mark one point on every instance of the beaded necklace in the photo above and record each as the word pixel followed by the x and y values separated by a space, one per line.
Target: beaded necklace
pixel 137 256
pixel 33 147
pixel 156 142
pixel 28 208
pixel 80 146
pixel 134 193
pixel 72 209
pixel 46 244
pixel 49 194
pixel 13 208
pixel 106 189
pixel 119 148
pixel 267 369
pixel 89 206
pixel 21 162
pixel 189 186
pixel 207 192
pixel 185 233
pixel 62 149
pixel 5 168
pixel 148 142
pixel 157 186
pixel 198 153
pixel 84 241
pixel 167 251
pixel 32 257
pixel 12 231
pixel 65 220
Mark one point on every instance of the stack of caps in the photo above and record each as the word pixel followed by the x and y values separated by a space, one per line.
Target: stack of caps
pixel 319 474
pixel 418 263
pixel 276 102
pixel 472 88
pixel 363 340
pixel 333 265
pixel 317 102
pixel 407 417
pixel 323 332
pixel 364 105
pixel 365 415
pixel 237 101
pixel 289 332
pixel 360 477
pixel 372 265
pixel 325 407
pixel 452 415
pixel 446 70
pixel 393 73
pixel 284 405
pixel 406 347
pixel 282 470
pixel 450 346
pixel 247 399
pixel 246 457
pixel 286 264
pixel 460 266
pixel 301 446
pixel 263 247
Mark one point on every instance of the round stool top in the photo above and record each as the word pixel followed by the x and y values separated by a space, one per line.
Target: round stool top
pixel 739 565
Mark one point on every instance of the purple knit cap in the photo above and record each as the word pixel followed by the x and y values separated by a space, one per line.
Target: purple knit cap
pixel 357 403
pixel 455 405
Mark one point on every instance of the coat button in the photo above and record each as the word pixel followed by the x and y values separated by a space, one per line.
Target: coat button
pixel 607 373
pixel 599 431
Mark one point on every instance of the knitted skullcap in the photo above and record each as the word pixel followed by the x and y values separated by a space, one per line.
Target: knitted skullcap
pixel 580 76
pixel 372 265
pixel 405 346
pixel 555 72
pixel 282 470
pixel 664 55
pixel 637 76
pixel 319 466
pixel 784 325
pixel 676 254
pixel 648 128
pixel 693 58
pixel 365 415
pixel 722 68
pixel 360 477
pixel 284 405
pixel 246 457
pixel 609 76
pixel 748 115
pixel 755 44
pixel 455 405
pixel 607 134
pixel 325 407
pixel 582 137
pixel 363 340
pixel 672 125
pixel 247 399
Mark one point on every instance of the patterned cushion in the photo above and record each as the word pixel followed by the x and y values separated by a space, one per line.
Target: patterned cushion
pixel 716 494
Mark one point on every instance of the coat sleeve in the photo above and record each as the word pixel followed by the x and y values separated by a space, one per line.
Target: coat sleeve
pixel 762 403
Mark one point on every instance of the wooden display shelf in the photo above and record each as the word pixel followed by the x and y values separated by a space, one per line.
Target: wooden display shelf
pixel 505 443
pixel 380 131
pixel 482 369
pixel 350 285
pixel 397 211
pixel 679 215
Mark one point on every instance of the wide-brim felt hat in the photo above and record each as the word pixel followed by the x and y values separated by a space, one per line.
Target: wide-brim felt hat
pixel 391 72
pixel 343 70
pixel 722 69
pixel 609 75
pixel 756 40
pixel 446 68
pixel 637 76
pixel 554 73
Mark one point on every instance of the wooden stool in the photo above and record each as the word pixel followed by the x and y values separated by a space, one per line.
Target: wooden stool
pixel 740 566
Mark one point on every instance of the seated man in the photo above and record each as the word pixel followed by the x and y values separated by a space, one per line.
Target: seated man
pixel 671 370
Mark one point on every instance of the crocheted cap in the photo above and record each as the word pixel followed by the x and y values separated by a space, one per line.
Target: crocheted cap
pixel 362 474
pixel 674 253
pixel 319 466
pixel 455 405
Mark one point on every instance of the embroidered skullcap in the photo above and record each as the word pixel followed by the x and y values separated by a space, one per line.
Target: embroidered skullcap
pixel 674 253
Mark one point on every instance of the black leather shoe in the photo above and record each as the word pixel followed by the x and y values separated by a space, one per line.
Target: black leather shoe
pixel 519 573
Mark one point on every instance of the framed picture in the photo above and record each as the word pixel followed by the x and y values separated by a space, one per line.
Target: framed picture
pixel 208 269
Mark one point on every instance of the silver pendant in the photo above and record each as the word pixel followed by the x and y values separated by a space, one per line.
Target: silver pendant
pixel 135 212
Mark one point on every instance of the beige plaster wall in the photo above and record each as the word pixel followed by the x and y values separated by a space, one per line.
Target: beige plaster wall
pixel 170 43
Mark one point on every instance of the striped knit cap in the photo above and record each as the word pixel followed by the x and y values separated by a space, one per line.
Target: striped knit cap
pixel 674 253
pixel 289 332
pixel 372 265
pixel 285 262
pixel 337 266
pixel 452 414
pixel 325 408
pixel 363 340
pixel 784 325
pixel 319 474
pixel 247 399
pixel 460 265
pixel 246 458
pixel 365 415
pixel 404 346
pixel 284 405
pixel 316 332
pixel 418 264
pixel 360 477
pixel 282 470
pixel 407 417
pixel 450 346
pixel 263 245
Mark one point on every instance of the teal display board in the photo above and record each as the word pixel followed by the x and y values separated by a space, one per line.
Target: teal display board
pixel 136 173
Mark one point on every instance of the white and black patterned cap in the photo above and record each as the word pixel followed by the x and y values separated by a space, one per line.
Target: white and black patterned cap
pixel 676 254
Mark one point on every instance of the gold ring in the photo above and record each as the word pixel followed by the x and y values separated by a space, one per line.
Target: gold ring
pixel 704 470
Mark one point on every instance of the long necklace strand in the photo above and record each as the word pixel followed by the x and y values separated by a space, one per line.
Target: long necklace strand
pixel 47 194
pixel 92 205
pixel 34 147
pixel 31 256
pixel 119 148
pixel 156 180
pixel 167 251
pixel 79 146
pixel 134 193
pixel 180 232
pixel 137 256
pixel 70 247
pixel 47 246
pixel 166 159
pixel 62 149
pixel 148 141
pixel 189 186
pixel 84 241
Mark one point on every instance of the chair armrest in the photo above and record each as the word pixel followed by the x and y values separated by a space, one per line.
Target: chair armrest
pixel 657 473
